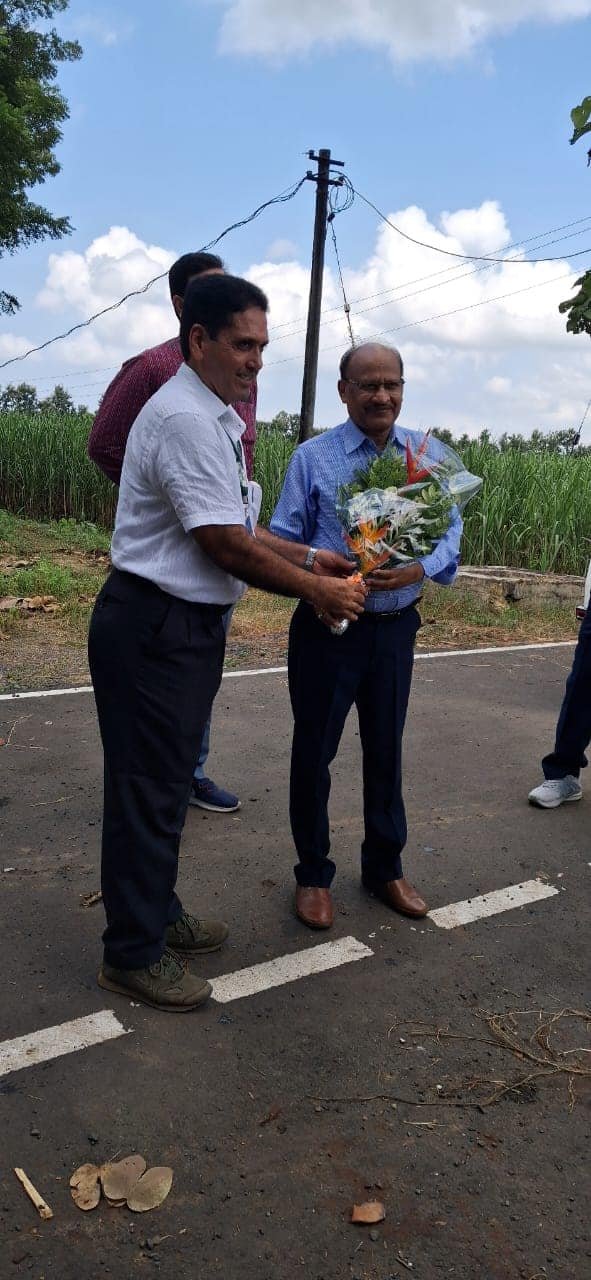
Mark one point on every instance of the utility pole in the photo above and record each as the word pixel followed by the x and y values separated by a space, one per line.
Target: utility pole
pixel 323 182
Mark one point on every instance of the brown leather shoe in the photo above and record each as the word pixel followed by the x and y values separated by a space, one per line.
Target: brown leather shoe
pixel 314 906
pixel 400 895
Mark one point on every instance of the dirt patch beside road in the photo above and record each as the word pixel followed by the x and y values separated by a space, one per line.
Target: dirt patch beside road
pixel 48 650
pixel 66 564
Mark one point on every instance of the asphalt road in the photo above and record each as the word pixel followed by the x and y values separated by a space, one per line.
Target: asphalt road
pixel 279 1111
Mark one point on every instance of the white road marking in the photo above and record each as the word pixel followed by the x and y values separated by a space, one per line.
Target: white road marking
pixel 82 1033
pixel 44 693
pixel 504 648
pixel 52 1042
pixel 490 904
pixel 300 964
pixel 275 671
pixel 258 671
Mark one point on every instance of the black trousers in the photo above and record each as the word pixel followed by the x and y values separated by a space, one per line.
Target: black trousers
pixel 573 731
pixel 371 666
pixel 156 664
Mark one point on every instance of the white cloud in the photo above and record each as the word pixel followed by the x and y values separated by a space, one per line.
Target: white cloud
pixel 501 359
pixel 498 386
pixel 279 250
pixel 113 265
pixel 486 234
pixel 408 30
pixel 105 30
pixel 11 345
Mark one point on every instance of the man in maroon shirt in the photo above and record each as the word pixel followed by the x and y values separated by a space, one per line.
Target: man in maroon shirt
pixel 138 380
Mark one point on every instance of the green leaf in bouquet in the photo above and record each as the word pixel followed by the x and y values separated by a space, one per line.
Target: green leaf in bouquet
pixel 387 471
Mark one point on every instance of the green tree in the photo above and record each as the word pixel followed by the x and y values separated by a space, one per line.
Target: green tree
pixel 31 112
pixel 444 434
pixel 579 306
pixel 19 399
pixel 59 402
pixel 23 399
pixel 284 423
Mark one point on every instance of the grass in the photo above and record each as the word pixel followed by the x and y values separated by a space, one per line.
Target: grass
pixel 21 537
pixel 271 456
pixel 67 560
pixel 45 472
pixel 534 511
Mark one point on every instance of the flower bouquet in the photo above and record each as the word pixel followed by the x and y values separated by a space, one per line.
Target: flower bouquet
pixel 396 509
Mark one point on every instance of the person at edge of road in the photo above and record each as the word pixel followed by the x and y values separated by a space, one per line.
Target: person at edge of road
pixel 183 547
pixel 562 767
pixel 129 391
pixel 371 664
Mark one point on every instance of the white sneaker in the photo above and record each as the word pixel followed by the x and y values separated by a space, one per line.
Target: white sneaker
pixel 555 791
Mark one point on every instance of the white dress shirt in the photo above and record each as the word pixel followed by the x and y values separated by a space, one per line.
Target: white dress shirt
pixel 181 470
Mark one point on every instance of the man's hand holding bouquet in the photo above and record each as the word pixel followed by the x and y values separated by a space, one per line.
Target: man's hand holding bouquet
pixel 396 509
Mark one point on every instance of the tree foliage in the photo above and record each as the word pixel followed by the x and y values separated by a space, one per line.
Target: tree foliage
pixel 578 307
pixel 31 112
pixel 22 399
pixel 286 424
pixel 564 441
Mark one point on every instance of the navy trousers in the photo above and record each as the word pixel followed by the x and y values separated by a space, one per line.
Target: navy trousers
pixel 156 664
pixel 369 666
pixel 573 731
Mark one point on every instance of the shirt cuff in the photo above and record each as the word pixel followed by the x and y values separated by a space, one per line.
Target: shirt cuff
pixel 428 565
pixel 201 518
pixel 289 534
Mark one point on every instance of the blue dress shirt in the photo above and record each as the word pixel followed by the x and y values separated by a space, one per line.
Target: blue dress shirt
pixel 306 511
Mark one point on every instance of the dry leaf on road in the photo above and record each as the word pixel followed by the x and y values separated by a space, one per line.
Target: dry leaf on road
pixel 30 604
pixel 85 1186
pixel 151 1190
pixel 120 1178
pixel 371 1211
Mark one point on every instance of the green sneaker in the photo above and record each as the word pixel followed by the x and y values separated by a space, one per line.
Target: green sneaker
pixel 192 937
pixel 167 984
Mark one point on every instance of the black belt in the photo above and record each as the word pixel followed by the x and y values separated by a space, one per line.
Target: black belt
pixel 391 613
pixel 145 586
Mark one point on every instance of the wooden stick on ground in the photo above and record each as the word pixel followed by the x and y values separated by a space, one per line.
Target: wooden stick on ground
pixel 42 1208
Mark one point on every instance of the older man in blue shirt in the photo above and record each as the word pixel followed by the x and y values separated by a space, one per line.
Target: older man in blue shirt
pixel 371 664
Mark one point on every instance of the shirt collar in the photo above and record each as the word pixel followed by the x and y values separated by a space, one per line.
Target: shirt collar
pixel 225 414
pixel 356 439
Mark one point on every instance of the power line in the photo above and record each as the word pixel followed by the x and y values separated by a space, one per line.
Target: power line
pixel 541 235
pixel 335 208
pixel 75 373
pixel 134 293
pixel 441 316
pixel 459 275
pixel 467 257
pixel 400 298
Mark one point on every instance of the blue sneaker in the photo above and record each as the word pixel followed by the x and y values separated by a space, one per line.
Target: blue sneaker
pixel 206 795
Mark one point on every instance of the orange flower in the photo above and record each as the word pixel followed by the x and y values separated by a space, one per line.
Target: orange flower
pixel 413 471
pixel 363 545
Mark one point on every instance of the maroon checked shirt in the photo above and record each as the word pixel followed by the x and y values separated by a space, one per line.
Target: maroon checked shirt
pixel 136 381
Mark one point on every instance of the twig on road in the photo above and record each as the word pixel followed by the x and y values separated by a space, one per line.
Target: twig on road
pixel 6 741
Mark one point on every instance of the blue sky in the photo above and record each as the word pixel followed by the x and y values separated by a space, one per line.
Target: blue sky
pixel 184 117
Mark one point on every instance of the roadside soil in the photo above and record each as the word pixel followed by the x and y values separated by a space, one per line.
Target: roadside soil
pixel 43 644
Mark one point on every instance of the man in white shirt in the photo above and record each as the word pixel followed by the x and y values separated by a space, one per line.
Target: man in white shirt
pixel 182 549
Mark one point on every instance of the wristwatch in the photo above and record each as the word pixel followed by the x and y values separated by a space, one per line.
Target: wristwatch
pixel 311 554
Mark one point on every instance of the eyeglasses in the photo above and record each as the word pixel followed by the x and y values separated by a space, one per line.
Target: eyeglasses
pixel 390 385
